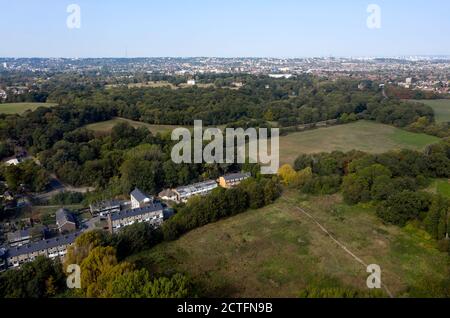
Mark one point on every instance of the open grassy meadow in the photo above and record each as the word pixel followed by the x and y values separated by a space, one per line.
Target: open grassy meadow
pixel 20 108
pixel 440 186
pixel 105 127
pixel 441 109
pixel 366 136
pixel 277 251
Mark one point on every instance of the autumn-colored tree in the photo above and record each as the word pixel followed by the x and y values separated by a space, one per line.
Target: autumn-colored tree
pixel 84 244
pixel 288 175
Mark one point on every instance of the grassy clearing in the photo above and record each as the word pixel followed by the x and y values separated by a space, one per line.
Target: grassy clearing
pixel 277 251
pixel 366 136
pixel 440 186
pixel 105 127
pixel 441 108
pixel 20 108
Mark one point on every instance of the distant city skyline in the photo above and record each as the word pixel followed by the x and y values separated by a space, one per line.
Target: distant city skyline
pixel 251 28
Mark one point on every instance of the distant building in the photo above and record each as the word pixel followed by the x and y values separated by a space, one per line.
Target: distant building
pixel 13 162
pixel 105 208
pixel 168 195
pixel 65 221
pixel 191 82
pixel 278 76
pixel 52 248
pixel 186 192
pixel 232 180
pixel 139 199
pixel 152 213
pixel 18 238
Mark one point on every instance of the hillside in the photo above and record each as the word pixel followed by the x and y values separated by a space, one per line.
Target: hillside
pixel 277 251
pixel 366 136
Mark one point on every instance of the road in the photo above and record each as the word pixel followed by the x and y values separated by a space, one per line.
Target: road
pixel 56 186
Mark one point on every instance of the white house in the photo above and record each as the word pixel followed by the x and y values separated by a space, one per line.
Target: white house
pixel 139 199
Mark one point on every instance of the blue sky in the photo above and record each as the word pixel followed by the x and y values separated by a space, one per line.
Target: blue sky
pixel 226 28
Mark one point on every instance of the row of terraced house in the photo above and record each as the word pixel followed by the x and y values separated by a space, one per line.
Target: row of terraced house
pixel 141 208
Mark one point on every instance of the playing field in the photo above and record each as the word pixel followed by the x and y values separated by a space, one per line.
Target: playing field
pixel 20 108
pixel 277 251
pixel 366 136
pixel 105 127
pixel 441 109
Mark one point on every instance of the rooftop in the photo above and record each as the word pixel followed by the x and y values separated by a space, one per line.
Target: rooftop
pixel 134 212
pixel 234 176
pixel 139 195
pixel 105 204
pixel 43 245
pixel 64 216
pixel 192 188
pixel 18 235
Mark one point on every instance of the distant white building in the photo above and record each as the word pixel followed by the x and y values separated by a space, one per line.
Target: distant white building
pixel 184 193
pixel 168 195
pixel 139 199
pixel 191 82
pixel 287 76
pixel 13 162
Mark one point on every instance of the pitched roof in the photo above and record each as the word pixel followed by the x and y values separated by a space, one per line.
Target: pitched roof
pixel 234 176
pixel 139 195
pixel 166 193
pixel 43 245
pixel 134 212
pixel 196 187
pixel 105 205
pixel 18 235
pixel 64 216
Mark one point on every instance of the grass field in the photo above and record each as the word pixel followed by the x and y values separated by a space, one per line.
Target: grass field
pixel 440 186
pixel 20 108
pixel 441 109
pixel 366 136
pixel 105 127
pixel 277 251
